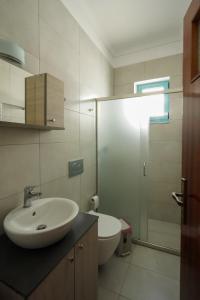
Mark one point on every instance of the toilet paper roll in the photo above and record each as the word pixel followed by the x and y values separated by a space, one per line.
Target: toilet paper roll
pixel 94 202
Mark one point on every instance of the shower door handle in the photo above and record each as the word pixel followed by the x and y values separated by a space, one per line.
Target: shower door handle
pixel 179 197
pixel 144 168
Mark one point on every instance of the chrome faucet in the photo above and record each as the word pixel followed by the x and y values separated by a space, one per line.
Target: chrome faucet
pixel 29 194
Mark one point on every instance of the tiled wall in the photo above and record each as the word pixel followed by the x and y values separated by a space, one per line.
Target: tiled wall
pixel 54 43
pixel 164 168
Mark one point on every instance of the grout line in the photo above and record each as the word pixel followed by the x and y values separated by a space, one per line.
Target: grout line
pixel 79 93
pixel 22 144
pixel 40 168
pixel 154 271
pixel 39 36
pixel 124 279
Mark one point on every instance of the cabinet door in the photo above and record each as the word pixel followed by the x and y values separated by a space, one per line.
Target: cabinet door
pixel 86 266
pixel 59 285
pixel 44 95
pixel 54 102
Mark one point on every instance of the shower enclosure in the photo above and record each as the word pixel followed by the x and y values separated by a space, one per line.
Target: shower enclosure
pixel 139 166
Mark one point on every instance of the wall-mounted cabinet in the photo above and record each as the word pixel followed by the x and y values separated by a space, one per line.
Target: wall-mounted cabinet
pixel 30 101
pixel 44 101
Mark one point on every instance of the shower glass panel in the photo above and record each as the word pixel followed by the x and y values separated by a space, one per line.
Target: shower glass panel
pixel 120 160
pixel 163 175
pixel 139 166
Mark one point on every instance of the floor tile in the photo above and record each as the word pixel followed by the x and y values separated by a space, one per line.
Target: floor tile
pixel 104 294
pixel 164 234
pixel 157 261
pixel 164 227
pixel 112 274
pixel 122 298
pixel 142 284
pixel 127 258
pixel 164 239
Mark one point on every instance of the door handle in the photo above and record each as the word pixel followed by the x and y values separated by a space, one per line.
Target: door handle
pixel 144 168
pixel 178 198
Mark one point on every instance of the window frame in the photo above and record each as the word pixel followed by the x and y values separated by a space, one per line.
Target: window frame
pixel 152 84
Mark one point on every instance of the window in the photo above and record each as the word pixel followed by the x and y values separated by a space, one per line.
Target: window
pixel 157 105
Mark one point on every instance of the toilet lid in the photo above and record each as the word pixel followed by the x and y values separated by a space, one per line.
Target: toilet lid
pixel 108 226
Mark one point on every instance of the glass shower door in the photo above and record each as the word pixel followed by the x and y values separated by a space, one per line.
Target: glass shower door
pixel 120 162
pixel 163 177
pixel 139 166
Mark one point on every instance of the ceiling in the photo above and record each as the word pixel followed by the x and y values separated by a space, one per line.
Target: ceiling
pixel 129 28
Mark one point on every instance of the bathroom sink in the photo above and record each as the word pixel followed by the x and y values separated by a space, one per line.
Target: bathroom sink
pixel 47 221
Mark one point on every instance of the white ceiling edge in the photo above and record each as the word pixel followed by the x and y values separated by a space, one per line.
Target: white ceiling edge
pixel 81 16
pixel 164 50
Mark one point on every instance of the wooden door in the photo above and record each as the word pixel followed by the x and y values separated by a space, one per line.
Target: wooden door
pixel 59 285
pixel 190 235
pixel 86 266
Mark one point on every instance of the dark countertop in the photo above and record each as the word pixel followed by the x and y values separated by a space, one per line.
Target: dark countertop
pixel 23 269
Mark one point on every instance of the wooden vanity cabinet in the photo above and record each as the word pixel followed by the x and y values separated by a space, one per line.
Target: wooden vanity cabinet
pixel 75 277
pixel 44 101
pixel 86 262
pixel 59 285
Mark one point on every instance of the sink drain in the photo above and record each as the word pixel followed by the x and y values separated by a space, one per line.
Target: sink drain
pixel 41 227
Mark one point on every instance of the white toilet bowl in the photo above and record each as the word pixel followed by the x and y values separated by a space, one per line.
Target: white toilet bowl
pixel 109 231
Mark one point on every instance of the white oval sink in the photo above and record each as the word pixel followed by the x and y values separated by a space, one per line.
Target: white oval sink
pixel 47 221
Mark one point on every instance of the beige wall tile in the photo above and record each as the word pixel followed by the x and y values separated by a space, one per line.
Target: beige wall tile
pixel 87 101
pixel 166 172
pixel 176 106
pixel 88 151
pixel 56 51
pixel 19 167
pixel 53 161
pixel 32 64
pixel 162 192
pixel 92 66
pixel 129 74
pixel 176 82
pixel 69 135
pixel 168 66
pixel 19 23
pixel 123 89
pixel 63 187
pixel 7 204
pixel 88 183
pixel 167 151
pixel 166 132
pixel 125 77
pixel 18 136
pixel 87 135
pixel 61 61
pixel 5 78
pixel 41 158
pixel 17 85
pixel 61 21
pixel 167 212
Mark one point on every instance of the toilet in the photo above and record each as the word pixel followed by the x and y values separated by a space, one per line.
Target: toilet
pixel 109 232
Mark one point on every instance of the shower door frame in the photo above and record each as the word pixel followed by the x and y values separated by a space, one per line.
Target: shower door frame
pixel 123 97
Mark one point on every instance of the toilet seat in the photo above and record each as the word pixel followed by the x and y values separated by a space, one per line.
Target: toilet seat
pixel 108 226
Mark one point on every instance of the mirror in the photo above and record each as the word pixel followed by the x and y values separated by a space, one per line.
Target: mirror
pixel 12 93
